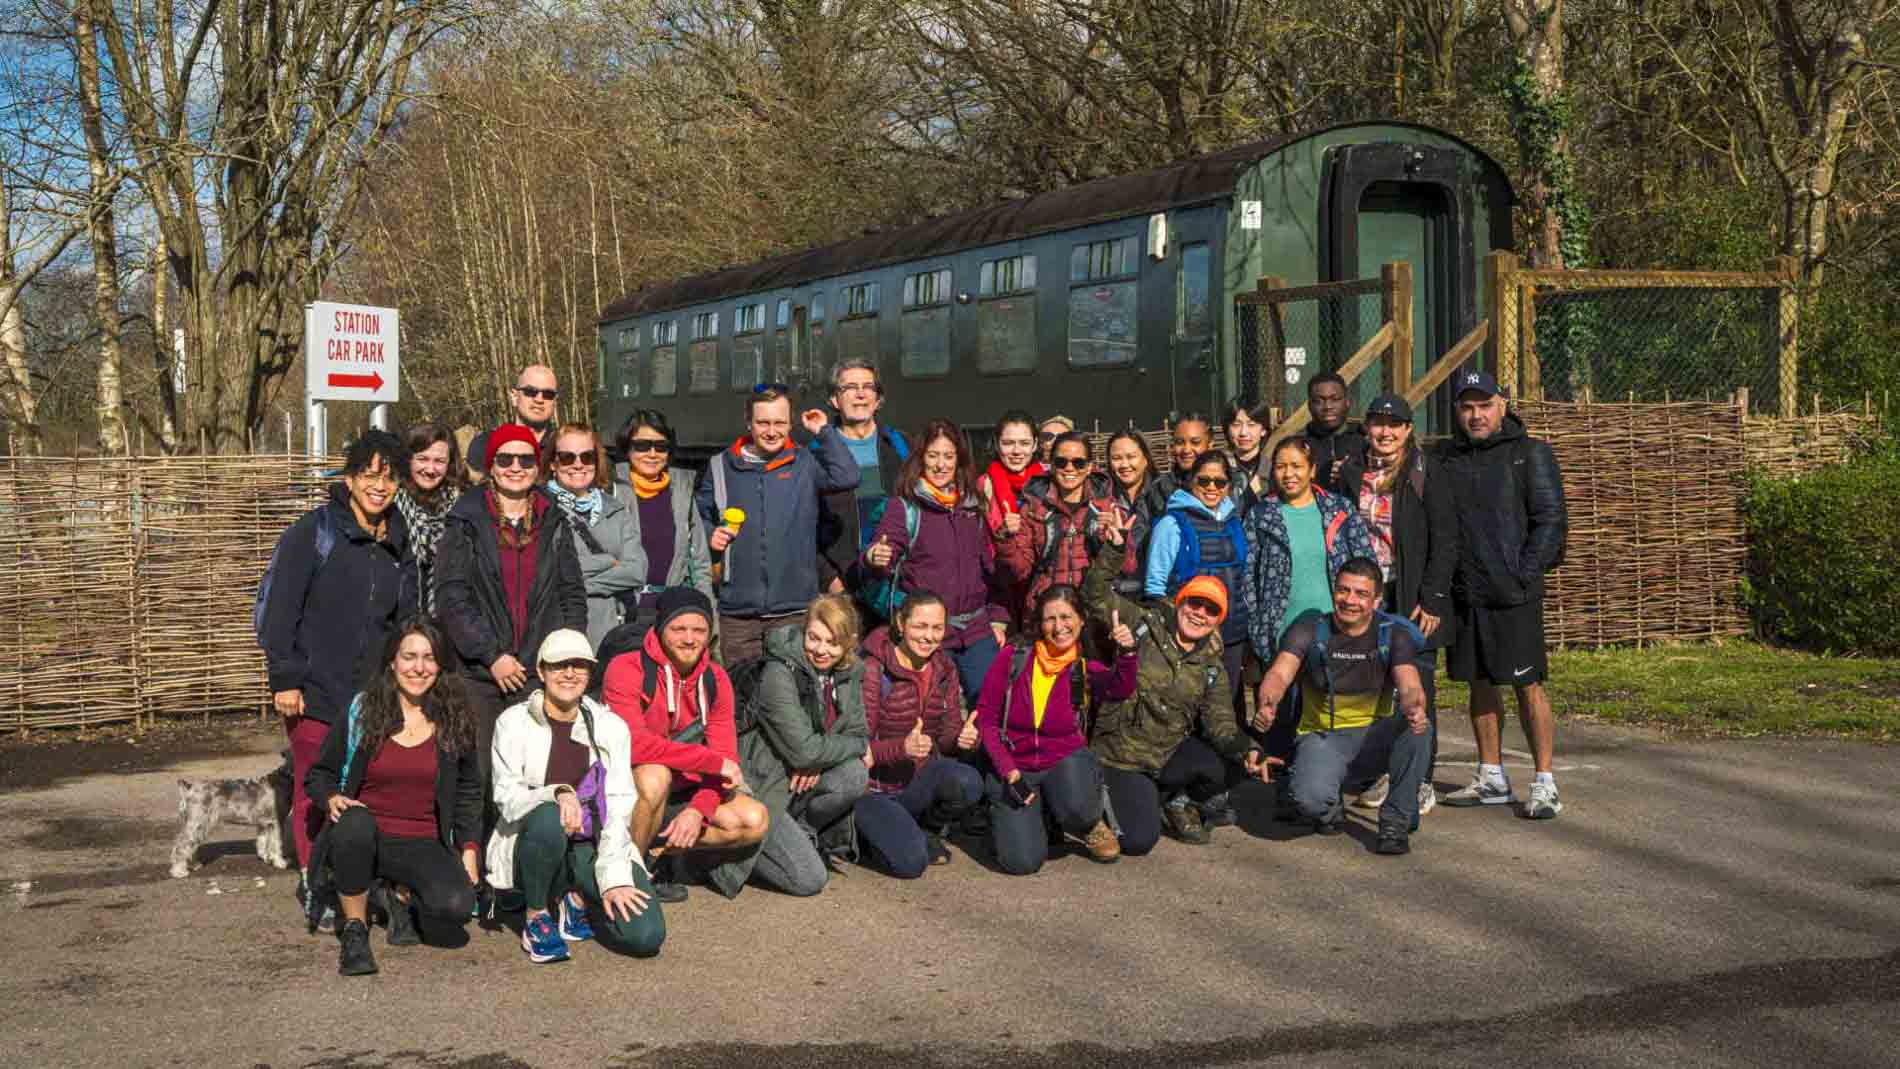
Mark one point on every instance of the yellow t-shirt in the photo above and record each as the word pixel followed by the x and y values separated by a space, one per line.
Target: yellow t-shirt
pixel 1040 684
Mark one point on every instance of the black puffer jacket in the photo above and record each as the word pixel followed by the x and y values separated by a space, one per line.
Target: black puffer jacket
pixel 1509 497
pixel 1424 538
pixel 325 624
pixel 471 602
pixel 1342 443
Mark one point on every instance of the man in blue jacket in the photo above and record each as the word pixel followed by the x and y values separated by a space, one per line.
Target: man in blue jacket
pixel 770 562
pixel 850 516
pixel 1509 498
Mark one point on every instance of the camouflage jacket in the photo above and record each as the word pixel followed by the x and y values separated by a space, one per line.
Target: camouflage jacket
pixel 1178 692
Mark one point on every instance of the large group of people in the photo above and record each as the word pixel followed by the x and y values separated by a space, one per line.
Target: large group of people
pixel 536 680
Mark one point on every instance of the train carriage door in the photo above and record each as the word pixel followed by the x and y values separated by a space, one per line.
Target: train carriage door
pixel 1197 373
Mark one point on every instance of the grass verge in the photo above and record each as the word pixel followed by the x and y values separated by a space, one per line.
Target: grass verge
pixel 1741 689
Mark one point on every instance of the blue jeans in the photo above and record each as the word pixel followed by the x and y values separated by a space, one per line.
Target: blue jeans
pixel 1070 794
pixel 1326 758
pixel 892 826
pixel 973 663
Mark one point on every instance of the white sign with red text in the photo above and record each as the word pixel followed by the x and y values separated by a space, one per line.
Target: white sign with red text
pixel 350 354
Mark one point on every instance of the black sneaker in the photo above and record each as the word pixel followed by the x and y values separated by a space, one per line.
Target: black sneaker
pixel 402 922
pixel 935 850
pixel 667 888
pixel 1393 843
pixel 1217 812
pixel 353 953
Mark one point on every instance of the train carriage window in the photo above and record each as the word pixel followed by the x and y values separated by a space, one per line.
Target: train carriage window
pixel 857 329
pixel 1194 318
pixel 748 346
pixel 1104 303
pixel 628 366
pixel 815 325
pixel 924 330
pixel 702 354
pixel 666 338
pixel 781 338
pixel 1006 316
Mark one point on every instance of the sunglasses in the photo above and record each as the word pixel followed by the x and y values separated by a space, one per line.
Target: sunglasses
pixel 536 391
pixel 771 387
pixel 1202 606
pixel 565 458
pixel 649 445
pixel 1209 482
pixel 503 461
pixel 1077 463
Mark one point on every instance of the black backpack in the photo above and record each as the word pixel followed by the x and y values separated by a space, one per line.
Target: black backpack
pixel 746 676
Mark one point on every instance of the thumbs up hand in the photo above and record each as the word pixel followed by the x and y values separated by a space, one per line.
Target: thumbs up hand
pixel 917 745
pixel 880 553
pixel 1120 632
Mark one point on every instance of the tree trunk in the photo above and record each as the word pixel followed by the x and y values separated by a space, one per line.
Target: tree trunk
pixel 113 440
pixel 1540 120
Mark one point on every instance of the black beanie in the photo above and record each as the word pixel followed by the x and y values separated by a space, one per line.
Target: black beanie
pixel 676 600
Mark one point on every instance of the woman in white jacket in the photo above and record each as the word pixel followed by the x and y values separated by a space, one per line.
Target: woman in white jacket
pixel 563 781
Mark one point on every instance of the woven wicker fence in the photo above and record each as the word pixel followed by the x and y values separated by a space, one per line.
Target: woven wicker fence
pixel 128 588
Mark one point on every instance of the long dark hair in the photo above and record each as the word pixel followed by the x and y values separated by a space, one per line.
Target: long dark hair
pixel 445 705
pixel 912 472
pixel 1147 457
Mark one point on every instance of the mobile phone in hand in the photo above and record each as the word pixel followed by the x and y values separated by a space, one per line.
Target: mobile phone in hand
pixel 1019 793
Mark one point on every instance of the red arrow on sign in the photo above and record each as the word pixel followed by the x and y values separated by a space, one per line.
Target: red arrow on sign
pixel 371 381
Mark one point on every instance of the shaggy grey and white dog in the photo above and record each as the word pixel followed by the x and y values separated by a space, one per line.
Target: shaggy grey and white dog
pixel 262 803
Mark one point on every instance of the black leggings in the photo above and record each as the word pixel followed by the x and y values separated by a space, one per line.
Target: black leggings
pixel 1136 796
pixel 360 852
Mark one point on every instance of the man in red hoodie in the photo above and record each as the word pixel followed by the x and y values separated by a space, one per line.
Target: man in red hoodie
pixel 679 707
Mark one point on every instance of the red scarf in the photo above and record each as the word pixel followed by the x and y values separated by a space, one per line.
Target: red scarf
pixel 1002 479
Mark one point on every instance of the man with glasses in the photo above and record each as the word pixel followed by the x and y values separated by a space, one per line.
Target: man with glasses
pixel 850 516
pixel 770 557
pixel 532 398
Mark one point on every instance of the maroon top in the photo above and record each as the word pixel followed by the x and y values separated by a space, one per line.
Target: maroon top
pixel 399 789
pixel 518 548
pixel 567 759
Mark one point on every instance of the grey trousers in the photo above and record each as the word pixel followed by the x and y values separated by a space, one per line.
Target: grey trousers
pixel 1327 758
pixel 789 860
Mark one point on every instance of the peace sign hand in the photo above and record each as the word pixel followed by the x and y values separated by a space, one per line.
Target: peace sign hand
pixel 1120 528
pixel 1120 632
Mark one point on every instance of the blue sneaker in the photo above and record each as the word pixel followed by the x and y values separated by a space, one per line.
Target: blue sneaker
pixel 574 926
pixel 541 941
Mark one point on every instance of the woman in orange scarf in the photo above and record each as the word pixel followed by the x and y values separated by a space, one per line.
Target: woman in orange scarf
pixel 933 537
pixel 1032 717
pixel 668 547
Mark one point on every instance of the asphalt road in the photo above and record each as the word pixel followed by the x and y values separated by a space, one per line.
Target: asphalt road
pixel 1698 903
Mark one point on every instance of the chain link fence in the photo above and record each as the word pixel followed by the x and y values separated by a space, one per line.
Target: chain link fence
pixel 1285 339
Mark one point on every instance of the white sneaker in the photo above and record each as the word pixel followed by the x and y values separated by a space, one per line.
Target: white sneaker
pixel 1543 804
pixel 1481 792
pixel 1374 796
pixel 1427 799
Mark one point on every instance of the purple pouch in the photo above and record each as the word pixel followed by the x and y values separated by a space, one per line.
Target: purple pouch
pixel 588 793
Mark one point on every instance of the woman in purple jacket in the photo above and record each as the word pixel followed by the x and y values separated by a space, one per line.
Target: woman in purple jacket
pixel 1032 717
pixel 950 554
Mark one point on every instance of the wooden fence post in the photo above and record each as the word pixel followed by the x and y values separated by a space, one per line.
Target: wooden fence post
pixel 1500 299
pixel 1397 309
pixel 1788 329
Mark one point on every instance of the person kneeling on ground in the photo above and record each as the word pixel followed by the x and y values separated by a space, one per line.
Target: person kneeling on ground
pixel 804 750
pixel 1032 716
pixel 921 742
pixel 564 785
pixel 678 705
pixel 1176 734
pixel 403 793
pixel 1348 662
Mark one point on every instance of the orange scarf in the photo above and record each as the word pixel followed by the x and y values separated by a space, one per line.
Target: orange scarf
pixel 1053 663
pixel 651 488
pixel 947 498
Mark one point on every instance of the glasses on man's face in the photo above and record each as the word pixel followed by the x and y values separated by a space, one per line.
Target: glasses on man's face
pixel 1072 463
pixel 771 387
pixel 504 461
pixel 567 459
pixel 858 387
pixel 1210 482
pixel 536 391
pixel 649 445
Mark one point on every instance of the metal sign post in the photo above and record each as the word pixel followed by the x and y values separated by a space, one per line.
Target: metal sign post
pixel 351 353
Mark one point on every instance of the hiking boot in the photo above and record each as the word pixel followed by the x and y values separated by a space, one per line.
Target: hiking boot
pixel 1102 844
pixel 402 921
pixel 1543 804
pixel 353 954
pixel 1393 842
pixel 1184 822
pixel 935 850
pixel 574 927
pixel 1218 812
pixel 1481 791
pixel 327 921
pixel 1427 798
pixel 1374 796
pixel 542 942
pixel 668 890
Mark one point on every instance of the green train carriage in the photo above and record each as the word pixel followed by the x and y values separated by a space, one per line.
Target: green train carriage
pixel 1110 301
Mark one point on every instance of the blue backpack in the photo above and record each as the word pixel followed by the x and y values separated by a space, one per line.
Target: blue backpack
pixel 1384 622
pixel 883 596
pixel 326 541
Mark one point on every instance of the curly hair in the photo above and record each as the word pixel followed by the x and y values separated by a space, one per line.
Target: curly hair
pixel 445 705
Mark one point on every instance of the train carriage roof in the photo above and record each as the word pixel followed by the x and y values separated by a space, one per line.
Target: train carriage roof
pixel 1193 181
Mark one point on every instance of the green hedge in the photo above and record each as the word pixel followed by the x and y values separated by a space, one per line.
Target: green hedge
pixel 1824 556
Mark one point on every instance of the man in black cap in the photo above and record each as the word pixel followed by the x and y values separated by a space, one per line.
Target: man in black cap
pixel 1511 525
